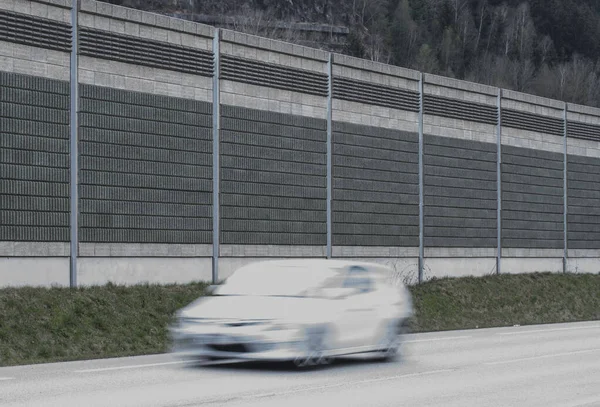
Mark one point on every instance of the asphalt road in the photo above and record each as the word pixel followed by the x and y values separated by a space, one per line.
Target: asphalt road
pixel 546 366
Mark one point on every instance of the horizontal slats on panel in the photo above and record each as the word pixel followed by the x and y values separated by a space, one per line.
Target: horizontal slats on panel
pixel 273 178
pixel 583 131
pixel 583 227
pixel 34 159
pixel 460 193
pixel 35 31
pixel 273 75
pixel 532 122
pixel 146 168
pixel 375 94
pixel 375 186
pixel 146 52
pixel 532 198
pixel 458 109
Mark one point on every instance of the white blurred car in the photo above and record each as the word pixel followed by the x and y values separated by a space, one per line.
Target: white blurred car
pixel 303 311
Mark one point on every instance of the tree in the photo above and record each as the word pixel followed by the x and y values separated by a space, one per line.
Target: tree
pixel 403 34
pixel 426 60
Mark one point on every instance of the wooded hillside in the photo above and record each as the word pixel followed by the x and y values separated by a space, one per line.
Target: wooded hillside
pixel 546 47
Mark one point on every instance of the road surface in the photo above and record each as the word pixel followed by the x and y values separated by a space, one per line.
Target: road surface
pixel 546 366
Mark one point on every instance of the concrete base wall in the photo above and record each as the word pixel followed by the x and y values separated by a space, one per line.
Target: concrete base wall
pixel 531 265
pixel 34 271
pixel 583 265
pixel 132 270
pixel 54 271
pixel 406 268
pixel 458 267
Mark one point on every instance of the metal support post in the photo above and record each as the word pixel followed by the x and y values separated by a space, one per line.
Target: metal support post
pixel 216 165
pixel 499 182
pixel 329 154
pixel 421 215
pixel 74 151
pixel 565 190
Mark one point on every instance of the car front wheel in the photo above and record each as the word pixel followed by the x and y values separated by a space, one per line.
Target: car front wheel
pixel 314 347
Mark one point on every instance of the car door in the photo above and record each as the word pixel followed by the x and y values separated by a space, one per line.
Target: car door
pixel 357 310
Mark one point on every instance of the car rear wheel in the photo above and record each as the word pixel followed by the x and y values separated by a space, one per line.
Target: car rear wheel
pixel 391 340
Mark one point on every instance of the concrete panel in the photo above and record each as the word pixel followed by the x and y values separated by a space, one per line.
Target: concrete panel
pixel 458 252
pixel 119 75
pixel 234 41
pixel 276 58
pixel 592 114
pixel 28 60
pixel 372 77
pixel 488 95
pixel 593 120
pixel 458 267
pixel 109 11
pixel 459 129
pixel 375 116
pixel 583 265
pixel 268 251
pixel 583 253
pixel 585 148
pixel 132 270
pixel 531 103
pixel 348 66
pixel 36 272
pixel 531 265
pixel 143 250
pixel 52 10
pixel 531 253
pixel 280 101
pixel 374 252
pixel 461 86
pixel 532 140
pixel 34 249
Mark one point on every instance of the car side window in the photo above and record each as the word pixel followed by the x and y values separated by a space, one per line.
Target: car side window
pixel 358 278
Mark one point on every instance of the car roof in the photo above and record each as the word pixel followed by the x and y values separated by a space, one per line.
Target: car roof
pixel 318 263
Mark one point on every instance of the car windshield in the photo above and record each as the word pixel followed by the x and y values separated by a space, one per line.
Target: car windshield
pixel 280 280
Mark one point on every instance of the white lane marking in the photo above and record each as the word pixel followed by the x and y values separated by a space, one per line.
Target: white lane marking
pixel 107 369
pixel 449 338
pixel 3 379
pixel 549 330
pixel 332 386
pixel 590 402
pixel 554 355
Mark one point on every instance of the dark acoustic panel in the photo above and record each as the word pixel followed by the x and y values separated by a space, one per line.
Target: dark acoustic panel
pixel 34 158
pixel 374 94
pixel 583 191
pixel 145 52
pixel 460 193
pixel 273 75
pixel 532 198
pixel 35 31
pixel 145 168
pixel 375 187
pixel 273 178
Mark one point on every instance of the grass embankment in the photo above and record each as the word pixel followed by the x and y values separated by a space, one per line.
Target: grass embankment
pixel 47 325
